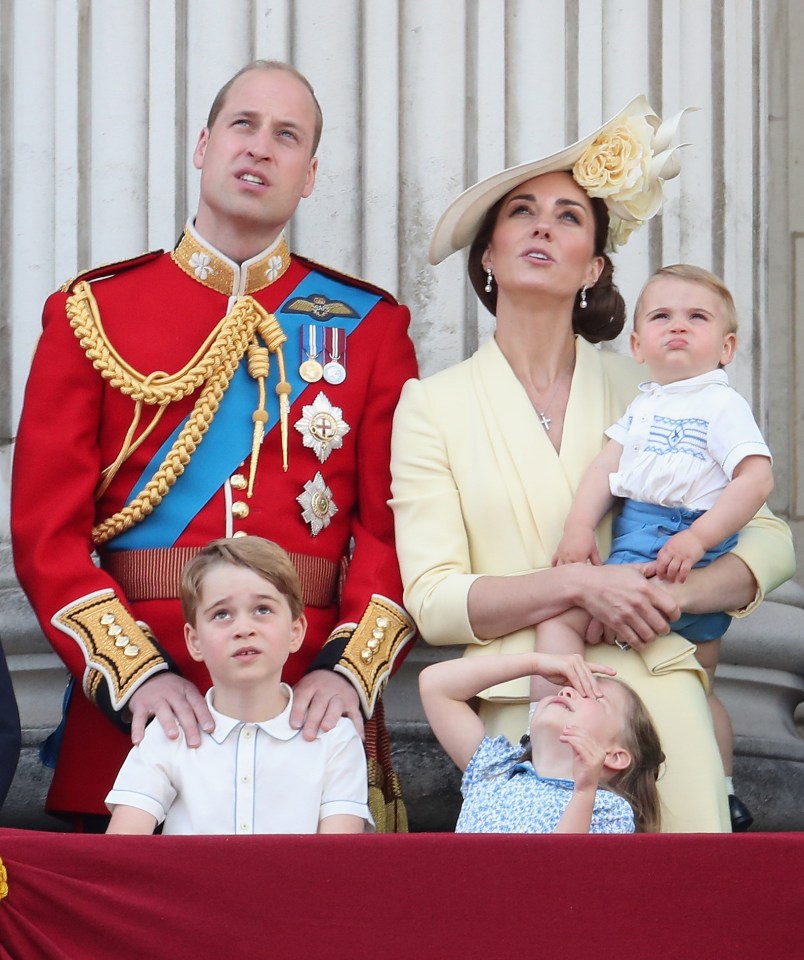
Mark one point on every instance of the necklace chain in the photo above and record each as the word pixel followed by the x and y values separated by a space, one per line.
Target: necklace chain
pixel 544 420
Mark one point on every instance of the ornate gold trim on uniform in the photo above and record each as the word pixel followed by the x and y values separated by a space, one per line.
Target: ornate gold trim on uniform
pixel 211 368
pixel 155 573
pixel 117 648
pixel 205 266
pixel 375 644
pixel 3 881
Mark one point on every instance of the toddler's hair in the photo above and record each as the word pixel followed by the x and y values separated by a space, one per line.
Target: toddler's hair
pixel 693 274
pixel 266 558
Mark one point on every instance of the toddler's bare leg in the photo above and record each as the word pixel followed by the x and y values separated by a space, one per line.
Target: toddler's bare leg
pixel 707 655
pixel 562 634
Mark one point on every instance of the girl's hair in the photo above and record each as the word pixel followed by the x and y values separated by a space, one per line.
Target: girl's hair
pixel 604 316
pixel 264 557
pixel 637 783
pixel 693 274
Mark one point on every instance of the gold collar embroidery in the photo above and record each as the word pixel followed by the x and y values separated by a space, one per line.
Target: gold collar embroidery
pixel 211 268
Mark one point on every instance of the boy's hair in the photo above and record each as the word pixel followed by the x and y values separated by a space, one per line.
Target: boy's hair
pixel 220 96
pixel 637 783
pixel 692 274
pixel 266 558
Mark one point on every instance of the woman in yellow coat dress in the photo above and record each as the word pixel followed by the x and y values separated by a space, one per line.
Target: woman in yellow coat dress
pixel 486 455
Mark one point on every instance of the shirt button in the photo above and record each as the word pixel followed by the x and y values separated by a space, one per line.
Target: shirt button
pixel 243 827
pixel 247 734
pixel 245 779
pixel 240 510
pixel 238 481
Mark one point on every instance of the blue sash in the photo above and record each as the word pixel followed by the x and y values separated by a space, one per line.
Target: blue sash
pixel 227 442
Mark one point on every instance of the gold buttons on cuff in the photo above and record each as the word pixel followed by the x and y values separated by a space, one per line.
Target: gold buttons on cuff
pixel 374 641
pixel 240 510
pixel 238 481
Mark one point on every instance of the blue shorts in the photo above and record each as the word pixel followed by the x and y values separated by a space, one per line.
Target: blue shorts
pixel 640 532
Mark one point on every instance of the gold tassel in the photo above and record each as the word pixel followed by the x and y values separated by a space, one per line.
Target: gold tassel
pixel 274 336
pixel 259 365
pixel 283 392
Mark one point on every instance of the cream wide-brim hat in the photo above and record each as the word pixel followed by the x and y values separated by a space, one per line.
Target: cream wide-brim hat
pixel 460 222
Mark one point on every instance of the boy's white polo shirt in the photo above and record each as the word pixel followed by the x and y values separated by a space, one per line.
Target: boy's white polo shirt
pixel 246 777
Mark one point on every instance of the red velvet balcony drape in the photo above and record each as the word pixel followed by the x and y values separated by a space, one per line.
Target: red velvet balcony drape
pixel 81 897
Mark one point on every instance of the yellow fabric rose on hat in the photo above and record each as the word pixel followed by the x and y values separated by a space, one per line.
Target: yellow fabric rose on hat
pixel 626 165
pixel 617 162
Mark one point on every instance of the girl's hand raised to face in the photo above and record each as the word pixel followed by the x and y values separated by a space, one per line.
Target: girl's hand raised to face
pixel 571 669
pixel 588 757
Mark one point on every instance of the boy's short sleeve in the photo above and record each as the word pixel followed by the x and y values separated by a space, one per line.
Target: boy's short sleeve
pixel 144 781
pixel 345 786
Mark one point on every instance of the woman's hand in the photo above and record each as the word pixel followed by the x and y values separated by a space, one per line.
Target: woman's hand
pixel 629 605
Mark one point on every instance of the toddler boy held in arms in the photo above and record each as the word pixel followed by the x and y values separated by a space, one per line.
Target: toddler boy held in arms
pixel 253 773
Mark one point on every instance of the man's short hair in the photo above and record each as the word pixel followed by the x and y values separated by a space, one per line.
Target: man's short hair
pixel 266 558
pixel 220 96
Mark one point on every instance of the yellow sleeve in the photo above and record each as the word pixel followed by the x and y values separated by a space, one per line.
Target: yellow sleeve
pixel 766 547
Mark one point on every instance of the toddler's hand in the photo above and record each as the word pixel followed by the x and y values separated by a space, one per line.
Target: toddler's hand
pixel 571 670
pixel 678 556
pixel 588 756
pixel 577 546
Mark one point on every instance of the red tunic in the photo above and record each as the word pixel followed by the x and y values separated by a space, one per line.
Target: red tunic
pixel 156 313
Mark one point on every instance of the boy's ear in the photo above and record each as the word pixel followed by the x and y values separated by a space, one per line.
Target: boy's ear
pixel 618 758
pixel 728 350
pixel 191 639
pixel 636 349
pixel 297 631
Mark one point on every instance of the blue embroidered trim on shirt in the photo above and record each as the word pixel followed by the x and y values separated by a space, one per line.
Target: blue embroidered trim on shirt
pixel 668 435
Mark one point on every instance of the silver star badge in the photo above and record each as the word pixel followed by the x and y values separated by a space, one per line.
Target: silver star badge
pixel 317 504
pixel 322 427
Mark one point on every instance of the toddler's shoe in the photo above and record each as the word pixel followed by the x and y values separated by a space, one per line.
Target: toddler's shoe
pixel 741 817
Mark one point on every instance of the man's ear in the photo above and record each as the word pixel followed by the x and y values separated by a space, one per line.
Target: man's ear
pixel 201 149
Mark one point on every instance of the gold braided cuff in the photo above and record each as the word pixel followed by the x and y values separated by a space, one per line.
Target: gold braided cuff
pixel 120 651
pixel 375 643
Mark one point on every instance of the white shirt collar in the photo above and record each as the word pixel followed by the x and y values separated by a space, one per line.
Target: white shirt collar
pixel 692 383
pixel 278 726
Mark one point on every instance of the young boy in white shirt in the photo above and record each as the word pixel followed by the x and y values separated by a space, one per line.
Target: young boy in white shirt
pixel 253 773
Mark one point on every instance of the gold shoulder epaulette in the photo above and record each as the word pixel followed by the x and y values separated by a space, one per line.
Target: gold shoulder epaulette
pixel 347 278
pixel 110 269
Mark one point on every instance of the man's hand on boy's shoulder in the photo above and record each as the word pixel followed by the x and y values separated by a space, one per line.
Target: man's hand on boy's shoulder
pixel 175 702
pixel 320 699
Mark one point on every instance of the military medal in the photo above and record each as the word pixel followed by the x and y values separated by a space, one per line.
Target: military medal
pixel 335 344
pixel 310 369
pixel 317 504
pixel 322 426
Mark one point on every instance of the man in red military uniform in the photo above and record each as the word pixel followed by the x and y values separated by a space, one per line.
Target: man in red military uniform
pixel 226 388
